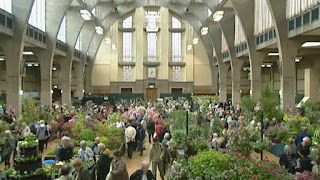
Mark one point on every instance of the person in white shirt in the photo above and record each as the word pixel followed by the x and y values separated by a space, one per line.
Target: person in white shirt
pixel 85 153
pixel 24 129
pixel 130 134
pixel 253 123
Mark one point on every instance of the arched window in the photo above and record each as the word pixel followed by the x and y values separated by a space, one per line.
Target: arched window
pixel 38 15
pixel 127 48
pixel 79 43
pixel 176 40
pixel 6 5
pixel 127 23
pixel 62 34
pixel 127 40
pixel 176 49
pixel 175 23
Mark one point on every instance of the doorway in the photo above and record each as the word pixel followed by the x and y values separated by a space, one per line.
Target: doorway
pixel 152 94
pixel 126 90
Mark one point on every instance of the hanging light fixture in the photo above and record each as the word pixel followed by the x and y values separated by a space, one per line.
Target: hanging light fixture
pixel 108 41
pixel 189 47
pixel 99 30
pixel 85 14
pixel 218 16
pixel 204 31
pixel 195 41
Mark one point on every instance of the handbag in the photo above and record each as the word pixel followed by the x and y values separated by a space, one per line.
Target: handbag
pixel 109 176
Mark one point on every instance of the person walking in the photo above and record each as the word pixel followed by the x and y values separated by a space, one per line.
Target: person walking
pixel 156 155
pixel 104 162
pixel 130 134
pixel 141 134
pixel 8 147
pixel 119 168
pixel 151 128
pixel 42 135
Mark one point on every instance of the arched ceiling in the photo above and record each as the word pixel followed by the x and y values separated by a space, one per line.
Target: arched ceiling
pixel 193 11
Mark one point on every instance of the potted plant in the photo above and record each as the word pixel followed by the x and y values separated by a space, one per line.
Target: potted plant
pixel 259 145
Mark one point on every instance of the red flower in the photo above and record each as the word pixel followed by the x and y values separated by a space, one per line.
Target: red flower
pixel 254 177
pixel 234 170
pixel 245 171
pixel 248 159
pixel 237 163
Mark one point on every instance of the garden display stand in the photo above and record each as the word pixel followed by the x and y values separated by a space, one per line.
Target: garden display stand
pixel 29 165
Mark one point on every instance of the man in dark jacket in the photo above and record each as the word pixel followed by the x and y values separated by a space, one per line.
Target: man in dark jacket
pixel 82 173
pixel 288 159
pixel 299 138
pixel 143 173
pixel 141 134
pixel 151 128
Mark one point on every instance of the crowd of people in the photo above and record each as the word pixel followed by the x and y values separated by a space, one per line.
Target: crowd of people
pixel 141 129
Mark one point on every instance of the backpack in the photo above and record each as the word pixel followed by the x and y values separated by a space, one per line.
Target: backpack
pixel 46 132
pixel 150 125
pixel 33 129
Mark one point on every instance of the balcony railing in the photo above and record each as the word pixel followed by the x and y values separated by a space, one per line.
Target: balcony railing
pixel 151 61
pixel 77 54
pixel 36 36
pixel 7 21
pixel 177 27
pixel 305 21
pixel 126 28
pixel 126 61
pixel 266 36
pixel 151 27
pixel 61 46
pixel 225 54
pixel 241 47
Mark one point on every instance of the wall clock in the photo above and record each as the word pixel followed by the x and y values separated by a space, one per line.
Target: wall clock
pixel 152 72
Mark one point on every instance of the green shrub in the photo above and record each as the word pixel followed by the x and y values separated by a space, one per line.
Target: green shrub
pixel 77 129
pixel 208 164
pixel 89 143
pixel 270 101
pixel 52 152
pixel 115 117
pixel 30 111
pixel 104 140
pixel 87 134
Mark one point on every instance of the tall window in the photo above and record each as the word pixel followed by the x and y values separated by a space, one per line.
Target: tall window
pixel 127 23
pixel 62 31
pixel 6 5
pixel 127 40
pixel 126 73
pixel 152 37
pixel 152 46
pixel 79 43
pixel 38 15
pixel 176 49
pixel 263 17
pixel 127 48
pixel 176 73
pixel 176 40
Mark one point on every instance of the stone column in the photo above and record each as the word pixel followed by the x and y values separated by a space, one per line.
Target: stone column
pixel 312 82
pixel 245 11
pixel 79 78
pixel 288 50
pixel 236 82
pixel 223 70
pixel 65 80
pixel 13 48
